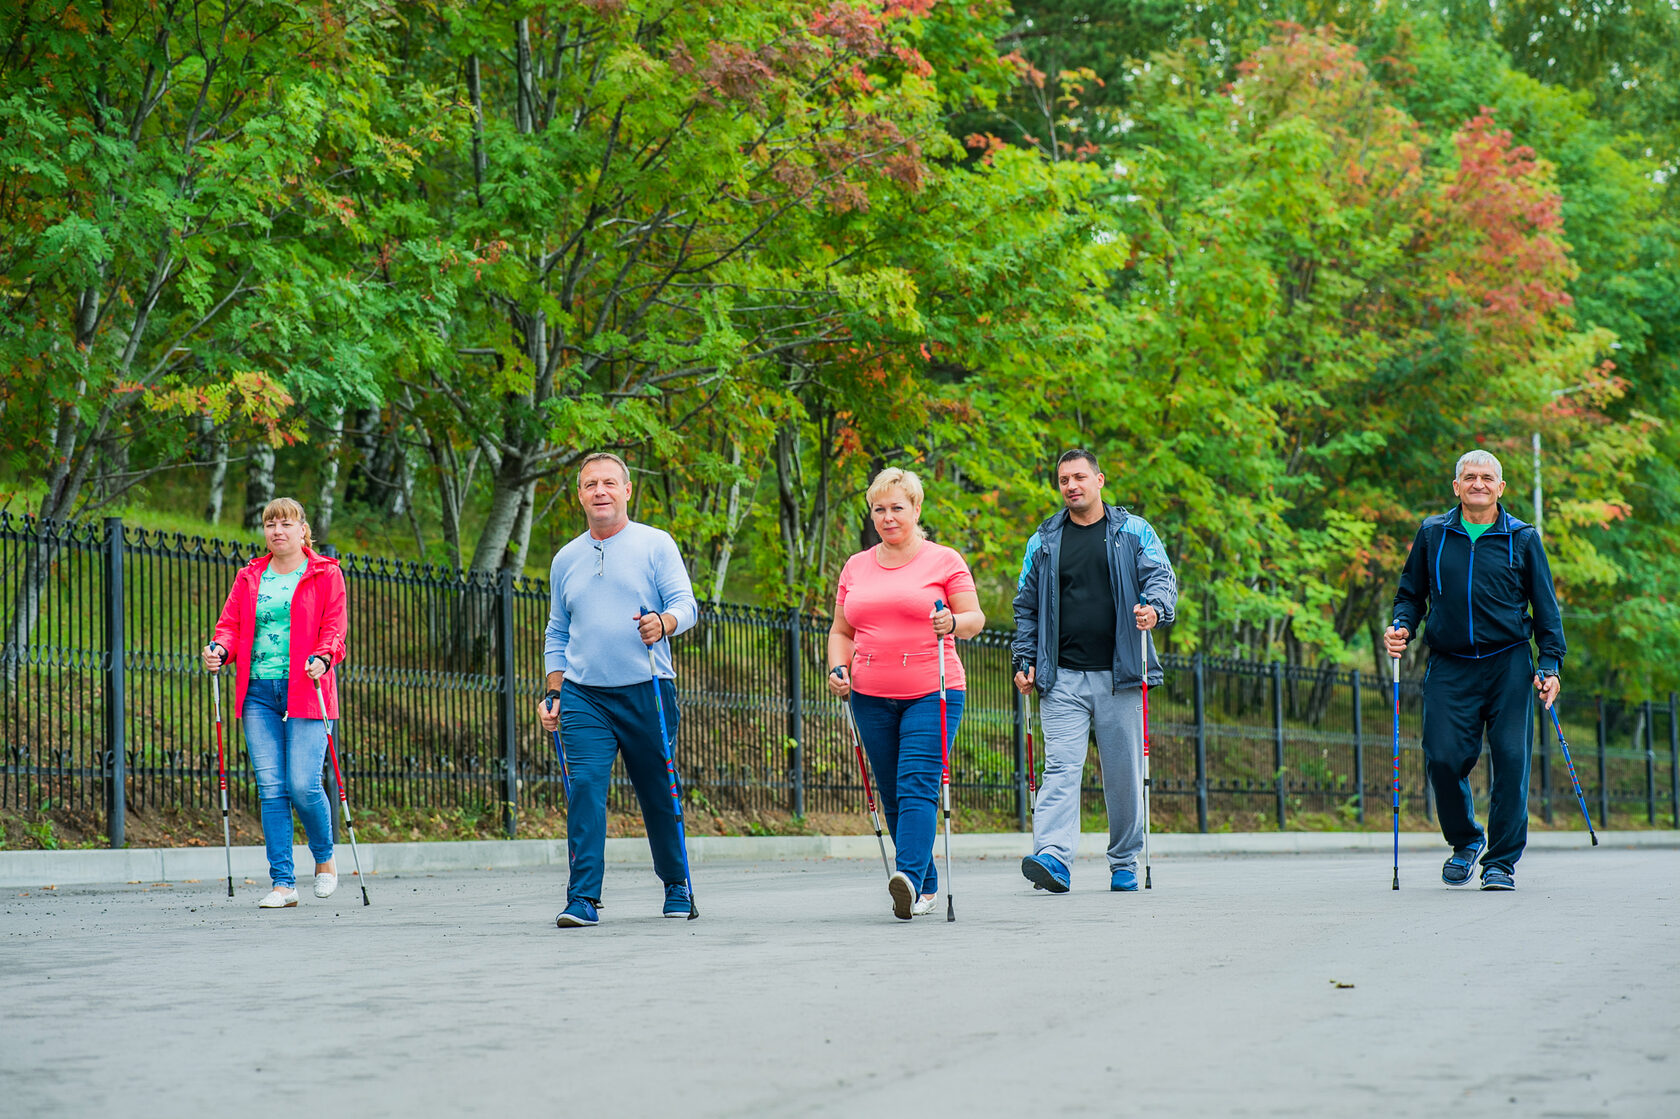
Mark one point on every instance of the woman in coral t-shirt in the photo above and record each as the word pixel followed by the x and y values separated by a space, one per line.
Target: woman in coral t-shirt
pixel 884 638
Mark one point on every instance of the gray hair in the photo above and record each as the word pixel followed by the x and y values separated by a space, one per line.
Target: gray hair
pixel 1478 458
pixel 602 456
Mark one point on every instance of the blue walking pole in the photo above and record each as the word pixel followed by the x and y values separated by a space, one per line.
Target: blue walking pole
pixel 560 753
pixel 671 778
pixel 1573 780
pixel 1396 773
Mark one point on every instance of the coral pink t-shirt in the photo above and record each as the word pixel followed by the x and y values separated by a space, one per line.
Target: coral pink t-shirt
pixel 888 607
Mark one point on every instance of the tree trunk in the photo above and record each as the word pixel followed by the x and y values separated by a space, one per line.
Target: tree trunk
pixel 216 441
pixel 320 520
pixel 519 542
pixel 506 496
pixel 259 484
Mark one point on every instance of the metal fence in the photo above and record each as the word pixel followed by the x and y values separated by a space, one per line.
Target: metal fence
pixel 107 710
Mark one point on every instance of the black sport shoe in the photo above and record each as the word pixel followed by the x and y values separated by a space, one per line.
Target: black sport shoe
pixel 1494 878
pixel 1456 870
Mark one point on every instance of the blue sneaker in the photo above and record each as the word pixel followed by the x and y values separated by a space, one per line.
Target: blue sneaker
pixel 1046 872
pixel 1497 878
pixel 1456 870
pixel 1124 881
pixel 677 901
pixel 579 913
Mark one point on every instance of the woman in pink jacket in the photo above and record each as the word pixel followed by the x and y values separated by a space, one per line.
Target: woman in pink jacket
pixel 283 628
pixel 885 637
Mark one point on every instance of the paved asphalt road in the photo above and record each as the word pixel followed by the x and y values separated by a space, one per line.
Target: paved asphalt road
pixel 1280 985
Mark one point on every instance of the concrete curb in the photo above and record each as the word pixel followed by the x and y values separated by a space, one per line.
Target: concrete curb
pixel 178 864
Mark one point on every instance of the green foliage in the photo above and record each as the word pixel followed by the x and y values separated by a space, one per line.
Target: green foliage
pixel 1278 274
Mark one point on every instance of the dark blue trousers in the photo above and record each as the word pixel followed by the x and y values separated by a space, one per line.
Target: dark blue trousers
pixel 1464 699
pixel 901 737
pixel 597 725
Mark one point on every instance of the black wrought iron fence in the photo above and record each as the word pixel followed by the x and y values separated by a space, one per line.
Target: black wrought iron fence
pixel 106 707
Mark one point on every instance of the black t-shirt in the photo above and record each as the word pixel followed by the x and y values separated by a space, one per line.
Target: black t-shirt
pixel 1085 640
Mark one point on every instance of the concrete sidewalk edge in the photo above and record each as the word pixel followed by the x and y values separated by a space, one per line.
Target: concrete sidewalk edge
pixel 177 864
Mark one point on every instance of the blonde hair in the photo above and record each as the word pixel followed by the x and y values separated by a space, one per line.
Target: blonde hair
pixel 892 478
pixel 286 507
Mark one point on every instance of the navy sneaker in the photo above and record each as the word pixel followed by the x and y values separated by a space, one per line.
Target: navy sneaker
pixel 1046 872
pixel 579 913
pixel 1123 881
pixel 677 902
pixel 1457 869
pixel 1497 878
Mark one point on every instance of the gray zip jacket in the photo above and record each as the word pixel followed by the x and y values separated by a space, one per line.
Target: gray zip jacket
pixel 1140 572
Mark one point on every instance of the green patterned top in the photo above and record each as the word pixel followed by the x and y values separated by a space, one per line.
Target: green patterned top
pixel 271 648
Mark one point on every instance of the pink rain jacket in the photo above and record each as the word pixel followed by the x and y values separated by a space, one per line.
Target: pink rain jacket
pixel 318 622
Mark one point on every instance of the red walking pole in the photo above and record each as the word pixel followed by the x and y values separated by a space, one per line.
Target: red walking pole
pixel 945 769
pixel 863 768
pixel 221 773
pixel 343 797
pixel 1144 636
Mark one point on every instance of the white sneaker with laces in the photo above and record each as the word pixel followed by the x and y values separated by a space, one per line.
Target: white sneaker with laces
pixel 903 894
pixel 281 897
pixel 924 906
pixel 325 883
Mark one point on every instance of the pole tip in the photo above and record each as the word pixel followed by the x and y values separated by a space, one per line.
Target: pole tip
pixel 693 911
pixel 1594 838
pixel 950 909
pixel 365 900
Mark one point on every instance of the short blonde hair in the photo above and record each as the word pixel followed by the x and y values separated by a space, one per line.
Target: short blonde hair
pixel 892 478
pixel 286 507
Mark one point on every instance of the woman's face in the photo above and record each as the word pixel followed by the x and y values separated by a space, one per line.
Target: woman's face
pixel 284 536
pixel 895 516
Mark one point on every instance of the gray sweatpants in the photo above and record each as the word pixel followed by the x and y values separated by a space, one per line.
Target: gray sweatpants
pixel 1077 702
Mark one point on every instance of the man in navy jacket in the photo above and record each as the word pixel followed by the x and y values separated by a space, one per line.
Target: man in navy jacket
pixel 1481 578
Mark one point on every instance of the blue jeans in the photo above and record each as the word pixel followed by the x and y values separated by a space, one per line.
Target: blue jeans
pixel 597 724
pixel 287 755
pixel 901 737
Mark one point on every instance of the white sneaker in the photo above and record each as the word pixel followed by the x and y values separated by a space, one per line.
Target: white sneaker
pixel 903 894
pixel 281 897
pixel 924 906
pixel 325 883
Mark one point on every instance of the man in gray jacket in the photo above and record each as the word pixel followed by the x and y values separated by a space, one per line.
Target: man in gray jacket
pixel 1093 576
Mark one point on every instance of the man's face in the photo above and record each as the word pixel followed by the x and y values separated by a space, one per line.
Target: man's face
pixel 604 493
pixel 1478 488
pixel 1081 485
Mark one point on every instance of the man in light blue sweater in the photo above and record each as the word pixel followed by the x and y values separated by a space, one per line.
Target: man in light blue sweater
pixel 599 691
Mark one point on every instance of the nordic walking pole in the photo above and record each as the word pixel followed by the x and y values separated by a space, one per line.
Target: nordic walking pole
pixel 671 777
pixel 1396 780
pixel 1573 780
pixel 343 797
pixel 1143 638
pixel 1023 667
pixel 221 768
pixel 863 768
pixel 945 768
pixel 560 753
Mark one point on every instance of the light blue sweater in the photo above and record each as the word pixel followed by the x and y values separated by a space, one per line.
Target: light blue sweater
pixel 596 589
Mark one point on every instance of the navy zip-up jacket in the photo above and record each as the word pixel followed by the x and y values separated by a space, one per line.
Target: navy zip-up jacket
pixel 1139 571
pixel 1478 597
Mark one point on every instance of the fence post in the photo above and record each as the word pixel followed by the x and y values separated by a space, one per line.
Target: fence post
pixel 1650 769
pixel 1277 738
pixel 1196 675
pixel 1358 743
pixel 1545 768
pixel 1603 771
pixel 510 740
pixel 116 760
pixel 1020 756
pixel 1674 759
pixel 796 713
